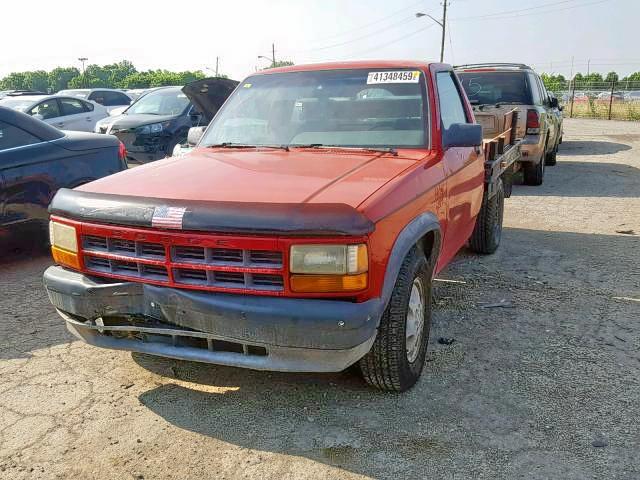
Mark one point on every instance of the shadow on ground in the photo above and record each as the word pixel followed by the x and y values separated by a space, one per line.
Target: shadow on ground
pixel 471 391
pixel 592 147
pixel 585 179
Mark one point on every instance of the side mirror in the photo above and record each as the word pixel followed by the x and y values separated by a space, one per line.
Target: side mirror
pixel 38 116
pixel 553 102
pixel 462 135
pixel 194 135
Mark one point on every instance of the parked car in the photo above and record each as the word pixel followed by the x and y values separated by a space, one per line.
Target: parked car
pixel 158 121
pixel 37 159
pixel 496 88
pixel 558 119
pixel 17 93
pixel 107 97
pixel 65 113
pixel 632 96
pixel 136 93
pixel 301 234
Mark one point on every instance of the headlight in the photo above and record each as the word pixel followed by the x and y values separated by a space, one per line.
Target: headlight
pixel 64 244
pixel 153 128
pixel 328 268
pixel 63 236
pixel 329 259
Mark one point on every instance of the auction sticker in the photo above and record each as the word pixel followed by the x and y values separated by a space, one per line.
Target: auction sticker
pixel 401 76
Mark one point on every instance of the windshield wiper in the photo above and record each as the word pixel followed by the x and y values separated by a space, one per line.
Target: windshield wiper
pixel 390 150
pixel 246 145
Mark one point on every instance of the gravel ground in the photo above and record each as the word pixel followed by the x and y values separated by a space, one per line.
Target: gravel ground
pixel 545 386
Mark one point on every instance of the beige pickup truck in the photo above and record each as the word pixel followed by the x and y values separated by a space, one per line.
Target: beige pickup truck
pixel 494 89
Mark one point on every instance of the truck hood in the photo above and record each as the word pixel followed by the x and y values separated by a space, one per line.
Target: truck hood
pixel 263 176
pixel 209 94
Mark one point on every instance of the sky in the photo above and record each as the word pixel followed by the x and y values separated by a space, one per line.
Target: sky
pixel 545 34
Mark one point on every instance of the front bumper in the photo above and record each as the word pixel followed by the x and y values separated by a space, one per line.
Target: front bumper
pixel 262 333
pixel 145 148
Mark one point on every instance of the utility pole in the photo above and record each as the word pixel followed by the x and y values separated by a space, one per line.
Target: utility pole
pixel 442 24
pixel 444 27
pixel 588 66
pixel 217 59
pixel 273 54
pixel 571 75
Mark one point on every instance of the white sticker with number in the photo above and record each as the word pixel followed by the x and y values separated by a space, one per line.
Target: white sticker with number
pixel 401 76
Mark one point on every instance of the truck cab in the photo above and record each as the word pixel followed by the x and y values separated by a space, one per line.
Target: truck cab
pixel 302 233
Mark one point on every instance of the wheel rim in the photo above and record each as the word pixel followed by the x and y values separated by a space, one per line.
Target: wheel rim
pixel 415 320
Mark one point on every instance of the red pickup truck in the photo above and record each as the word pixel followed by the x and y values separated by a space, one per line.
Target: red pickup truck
pixel 302 233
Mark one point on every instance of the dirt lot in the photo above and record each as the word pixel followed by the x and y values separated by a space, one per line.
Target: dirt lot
pixel 525 391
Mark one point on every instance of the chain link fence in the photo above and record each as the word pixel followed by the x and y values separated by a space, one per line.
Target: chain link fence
pixel 604 100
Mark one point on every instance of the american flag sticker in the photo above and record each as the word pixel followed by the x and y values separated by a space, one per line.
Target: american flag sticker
pixel 167 217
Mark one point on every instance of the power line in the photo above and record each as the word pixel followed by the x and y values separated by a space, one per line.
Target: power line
pixel 506 15
pixel 377 47
pixel 367 25
pixel 346 42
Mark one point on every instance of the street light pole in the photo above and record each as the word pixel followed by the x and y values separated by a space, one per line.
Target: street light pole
pixel 273 55
pixel 443 25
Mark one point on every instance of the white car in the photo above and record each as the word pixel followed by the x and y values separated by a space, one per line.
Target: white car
pixel 107 97
pixel 65 113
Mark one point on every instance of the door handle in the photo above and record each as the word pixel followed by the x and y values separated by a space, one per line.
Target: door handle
pixel 88 119
pixel 59 124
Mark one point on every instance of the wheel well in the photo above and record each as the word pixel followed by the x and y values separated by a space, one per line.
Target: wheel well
pixel 430 244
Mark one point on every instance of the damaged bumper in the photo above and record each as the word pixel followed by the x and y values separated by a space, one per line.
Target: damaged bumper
pixel 263 333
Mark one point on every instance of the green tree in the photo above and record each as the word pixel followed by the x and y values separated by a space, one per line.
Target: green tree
pixel 60 77
pixel 611 77
pixel 14 81
pixel 280 63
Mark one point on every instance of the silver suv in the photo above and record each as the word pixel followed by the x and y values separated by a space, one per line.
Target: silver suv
pixel 497 88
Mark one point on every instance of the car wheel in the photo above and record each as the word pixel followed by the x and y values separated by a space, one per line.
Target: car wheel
pixel 534 172
pixel 397 357
pixel 488 230
pixel 551 158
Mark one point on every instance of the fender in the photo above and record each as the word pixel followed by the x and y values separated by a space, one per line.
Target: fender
pixel 408 237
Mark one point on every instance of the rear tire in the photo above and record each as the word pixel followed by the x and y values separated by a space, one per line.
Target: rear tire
pixel 397 357
pixel 534 173
pixel 488 230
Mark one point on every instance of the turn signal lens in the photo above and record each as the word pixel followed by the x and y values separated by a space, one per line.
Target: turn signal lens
pixel 63 257
pixel 328 283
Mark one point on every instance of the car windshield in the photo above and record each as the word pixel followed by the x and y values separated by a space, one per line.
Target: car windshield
pixel 496 87
pixel 166 101
pixel 75 93
pixel 19 104
pixel 346 108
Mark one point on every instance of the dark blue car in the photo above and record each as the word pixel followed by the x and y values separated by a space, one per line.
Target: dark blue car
pixel 36 160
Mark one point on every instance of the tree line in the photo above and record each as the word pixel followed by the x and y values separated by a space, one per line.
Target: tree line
pixel 122 74
pixel 558 82
pixel 116 75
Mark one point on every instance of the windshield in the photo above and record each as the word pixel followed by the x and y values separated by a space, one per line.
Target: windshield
pixel 495 87
pixel 166 101
pixel 19 104
pixel 75 93
pixel 347 108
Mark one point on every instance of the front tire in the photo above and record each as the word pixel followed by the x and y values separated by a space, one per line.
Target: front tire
pixel 552 157
pixel 488 230
pixel 397 357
